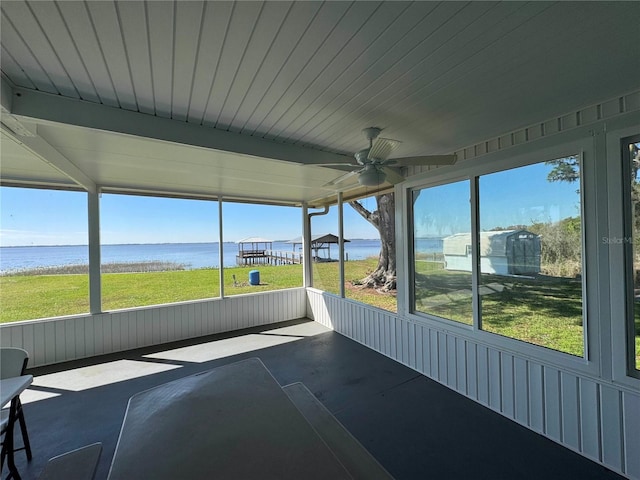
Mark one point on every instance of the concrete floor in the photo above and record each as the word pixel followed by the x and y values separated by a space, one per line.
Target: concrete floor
pixel 415 427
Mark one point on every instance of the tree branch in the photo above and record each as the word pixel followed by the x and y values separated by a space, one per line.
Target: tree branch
pixel 372 217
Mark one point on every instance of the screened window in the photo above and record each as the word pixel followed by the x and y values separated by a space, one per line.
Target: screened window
pixel 44 257
pixel 157 250
pixel 442 263
pixel 324 251
pixel 631 243
pixel 526 254
pixel 262 248
pixel 370 262
pixel 530 253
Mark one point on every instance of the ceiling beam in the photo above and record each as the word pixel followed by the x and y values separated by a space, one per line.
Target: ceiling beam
pixel 31 104
pixel 27 136
pixel 6 95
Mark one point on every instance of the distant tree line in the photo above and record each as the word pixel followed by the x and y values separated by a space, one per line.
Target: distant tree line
pixel 560 245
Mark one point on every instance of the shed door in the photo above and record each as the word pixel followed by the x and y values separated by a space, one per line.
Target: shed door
pixel 525 256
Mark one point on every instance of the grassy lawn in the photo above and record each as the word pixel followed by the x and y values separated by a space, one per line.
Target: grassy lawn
pixel 326 276
pixel 545 312
pixel 39 296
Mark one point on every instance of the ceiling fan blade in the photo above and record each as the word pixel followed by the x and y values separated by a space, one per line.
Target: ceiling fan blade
pixel 393 176
pixel 382 148
pixel 424 160
pixel 341 178
pixel 336 164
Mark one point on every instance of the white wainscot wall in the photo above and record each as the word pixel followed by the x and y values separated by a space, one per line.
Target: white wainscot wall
pixel 592 417
pixel 57 340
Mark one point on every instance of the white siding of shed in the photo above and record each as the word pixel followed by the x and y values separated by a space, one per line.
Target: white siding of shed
pixel 493 252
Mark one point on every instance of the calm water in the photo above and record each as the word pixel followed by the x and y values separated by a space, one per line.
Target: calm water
pixel 191 255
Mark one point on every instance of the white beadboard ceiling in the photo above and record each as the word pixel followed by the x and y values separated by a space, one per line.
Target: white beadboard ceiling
pixel 234 99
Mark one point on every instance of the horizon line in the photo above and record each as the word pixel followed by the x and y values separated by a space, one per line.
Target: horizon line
pixel 146 243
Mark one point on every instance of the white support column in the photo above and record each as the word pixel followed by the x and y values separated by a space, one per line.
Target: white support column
pixel 95 280
pixel 220 248
pixel 306 247
pixel 596 162
pixel 341 243
pixel 404 220
pixel 475 253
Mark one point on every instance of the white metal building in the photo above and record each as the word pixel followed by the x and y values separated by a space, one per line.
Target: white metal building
pixel 505 252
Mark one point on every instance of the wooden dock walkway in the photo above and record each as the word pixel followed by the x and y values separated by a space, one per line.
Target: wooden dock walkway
pixel 268 257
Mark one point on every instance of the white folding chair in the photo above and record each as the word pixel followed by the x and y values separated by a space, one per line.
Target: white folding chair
pixel 13 363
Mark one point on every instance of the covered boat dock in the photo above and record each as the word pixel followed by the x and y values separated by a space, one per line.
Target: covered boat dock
pixel 320 243
pixel 259 251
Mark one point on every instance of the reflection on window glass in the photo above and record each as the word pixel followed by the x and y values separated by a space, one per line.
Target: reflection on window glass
pixel 325 251
pixel 157 250
pixel 632 160
pixel 44 258
pixel 442 251
pixel 263 248
pixel 370 266
pixel 531 254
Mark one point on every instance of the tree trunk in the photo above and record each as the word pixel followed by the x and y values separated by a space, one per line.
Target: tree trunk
pixel 383 278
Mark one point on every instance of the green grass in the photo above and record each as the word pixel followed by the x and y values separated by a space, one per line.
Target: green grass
pixel 38 296
pixel 543 311
pixel 546 313
pixel 26 297
pixel 326 276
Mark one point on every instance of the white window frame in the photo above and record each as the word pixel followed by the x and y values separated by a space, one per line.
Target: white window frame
pixel 411 261
pixel 623 360
pixel 578 142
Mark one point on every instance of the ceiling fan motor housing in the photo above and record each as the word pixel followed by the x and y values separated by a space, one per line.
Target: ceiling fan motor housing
pixel 362 156
pixel 372 133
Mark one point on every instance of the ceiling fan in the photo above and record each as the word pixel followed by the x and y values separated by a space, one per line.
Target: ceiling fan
pixel 373 166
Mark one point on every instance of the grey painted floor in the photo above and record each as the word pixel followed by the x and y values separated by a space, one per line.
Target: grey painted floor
pixel 415 427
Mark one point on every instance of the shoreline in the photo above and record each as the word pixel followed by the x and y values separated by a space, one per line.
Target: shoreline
pixel 114 267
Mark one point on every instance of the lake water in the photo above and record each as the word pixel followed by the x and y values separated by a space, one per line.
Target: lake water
pixel 191 255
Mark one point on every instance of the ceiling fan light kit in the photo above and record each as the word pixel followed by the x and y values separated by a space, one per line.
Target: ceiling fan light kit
pixel 371 176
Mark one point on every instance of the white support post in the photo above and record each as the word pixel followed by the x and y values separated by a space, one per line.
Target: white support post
pixel 220 248
pixel 404 213
pixel 95 280
pixel 475 254
pixel 306 247
pixel 341 243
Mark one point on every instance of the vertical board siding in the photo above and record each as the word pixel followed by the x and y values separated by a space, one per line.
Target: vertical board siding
pixel 571 411
pixel 611 426
pixel 69 338
pixel 552 404
pixel 631 407
pixel 586 415
pixel 482 370
pixel 495 380
pixel 461 362
pixel 536 398
pixel 589 415
pixel 507 385
pixel 521 391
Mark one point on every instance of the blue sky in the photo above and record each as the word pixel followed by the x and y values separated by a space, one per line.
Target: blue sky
pixel 519 196
pixel 49 217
